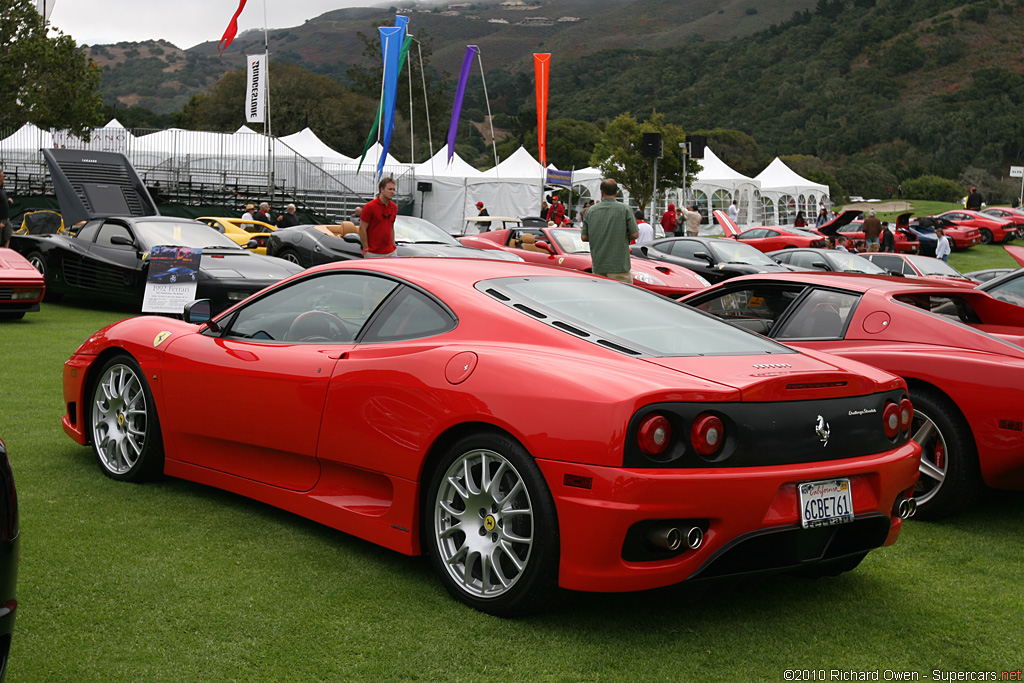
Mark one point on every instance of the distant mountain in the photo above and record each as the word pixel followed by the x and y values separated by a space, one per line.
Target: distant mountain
pixel 161 77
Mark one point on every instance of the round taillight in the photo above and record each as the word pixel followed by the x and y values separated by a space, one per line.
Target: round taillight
pixel 707 434
pixel 654 435
pixel 891 420
pixel 906 414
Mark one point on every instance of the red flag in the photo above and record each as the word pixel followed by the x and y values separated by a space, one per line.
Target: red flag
pixel 231 30
pixel 542 67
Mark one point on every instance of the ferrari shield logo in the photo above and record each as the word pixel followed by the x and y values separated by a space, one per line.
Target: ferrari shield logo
pixel 160 338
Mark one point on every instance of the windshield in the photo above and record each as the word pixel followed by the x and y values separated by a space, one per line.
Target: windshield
pixel 729 251
pixel 184 234
pixel 625 318
pixel 1008 288
pixel 410 229
pixel 851 263
pixel 570 241
pixel 933 266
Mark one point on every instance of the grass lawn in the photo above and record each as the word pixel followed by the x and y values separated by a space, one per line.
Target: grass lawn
pixel 173 581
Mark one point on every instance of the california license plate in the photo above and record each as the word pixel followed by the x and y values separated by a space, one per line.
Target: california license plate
pixel 824 503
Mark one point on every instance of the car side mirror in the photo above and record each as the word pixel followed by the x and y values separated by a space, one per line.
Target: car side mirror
pixel 198 312
pixel 123 241
pixel 252 244
pixel 352 237
pixel 542 244
pixel 820 265
pixel 705 256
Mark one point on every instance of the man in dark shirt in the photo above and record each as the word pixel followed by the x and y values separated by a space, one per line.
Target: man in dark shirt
pixel 887 239
pixel 288 219
pixel 974 200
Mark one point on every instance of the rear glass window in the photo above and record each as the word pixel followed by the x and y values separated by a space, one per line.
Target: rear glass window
pixel 625 318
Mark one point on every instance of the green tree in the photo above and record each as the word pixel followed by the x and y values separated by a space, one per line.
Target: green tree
pixel 619 155
pixel 47 81
pixel 298 98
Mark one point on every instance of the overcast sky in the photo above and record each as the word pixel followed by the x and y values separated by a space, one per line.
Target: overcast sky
pixel 182 22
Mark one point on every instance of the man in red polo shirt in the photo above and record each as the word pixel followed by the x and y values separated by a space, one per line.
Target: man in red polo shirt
pixel 377 222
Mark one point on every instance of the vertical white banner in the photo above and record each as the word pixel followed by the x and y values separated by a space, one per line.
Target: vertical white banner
pixel 256 83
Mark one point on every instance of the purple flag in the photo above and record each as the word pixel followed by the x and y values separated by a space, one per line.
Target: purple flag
pixel 460 91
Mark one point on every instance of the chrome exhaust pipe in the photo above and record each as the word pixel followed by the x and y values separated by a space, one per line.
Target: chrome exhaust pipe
pixel 906 508
pixel 694 537
pixel 667 538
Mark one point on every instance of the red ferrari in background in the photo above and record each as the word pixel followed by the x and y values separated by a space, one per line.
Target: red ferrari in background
pixel 21 286
pixel 1014 213
pixel 960 351
pixel 565 248
pixel 525 427
pixel 766 238
pixel 993 230
pixel 905 241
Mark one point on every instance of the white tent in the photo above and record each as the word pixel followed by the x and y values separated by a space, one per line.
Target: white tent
pixel 784 192
pixel 717 185
pixel 512 188
pixel 306 143
pixel 447 201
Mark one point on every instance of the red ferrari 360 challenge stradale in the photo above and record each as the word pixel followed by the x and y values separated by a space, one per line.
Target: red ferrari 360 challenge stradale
pixel 525 427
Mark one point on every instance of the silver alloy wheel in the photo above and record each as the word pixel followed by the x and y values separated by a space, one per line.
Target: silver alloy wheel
pixel 483 523
pixel 36 260
pixel 934 457
pixel 119 418
pixel 291 257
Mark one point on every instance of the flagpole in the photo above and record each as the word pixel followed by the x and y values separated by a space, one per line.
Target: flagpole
pixel 487 101
pixel 267 129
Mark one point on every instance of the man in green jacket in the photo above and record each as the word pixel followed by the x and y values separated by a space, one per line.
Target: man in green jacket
pixel 609 226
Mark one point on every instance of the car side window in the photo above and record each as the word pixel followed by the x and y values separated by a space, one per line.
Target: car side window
pixel 89 230
pixel 806 259
pixel 755 309
pixel 893 263
pixel 685 248
pixel 109 231
pixel 410 314
pixel 328 308
pixel 822 314
pixel 1010 290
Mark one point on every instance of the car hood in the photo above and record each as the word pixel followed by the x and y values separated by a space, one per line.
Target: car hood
pixel 845 218
pixel 14 266
pixel 785 376
pixel 245 265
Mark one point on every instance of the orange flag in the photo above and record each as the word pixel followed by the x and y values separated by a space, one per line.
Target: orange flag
pixel 542 68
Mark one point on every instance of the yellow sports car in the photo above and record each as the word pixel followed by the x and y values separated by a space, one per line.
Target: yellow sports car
pixel 242 231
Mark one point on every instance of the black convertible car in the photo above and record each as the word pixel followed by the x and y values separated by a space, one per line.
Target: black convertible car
pixel 107 258
pixel 311 245
pixel 714 258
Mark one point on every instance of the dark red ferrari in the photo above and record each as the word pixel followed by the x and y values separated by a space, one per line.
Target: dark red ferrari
pixel 960 351
pixel 525 427
pixel 565 248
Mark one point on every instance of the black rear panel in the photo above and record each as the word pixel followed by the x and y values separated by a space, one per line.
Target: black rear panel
pixel 95 184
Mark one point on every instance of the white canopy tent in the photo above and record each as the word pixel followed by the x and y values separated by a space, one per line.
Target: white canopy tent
pixel 784 192
pixel 717 185
pixel 447 201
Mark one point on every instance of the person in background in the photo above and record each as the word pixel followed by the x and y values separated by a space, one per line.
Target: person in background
pixel 6 229
pixel 691 221
pixel 974 201
pixel 377 222
pixel 556 212
pixel 887 241
pixel 840 244
pixel 288 219
pixel 872 229
pixel 250 209
pixel 644 229
pixel 482 226
pixel 609 226
pixel 799 221
pixel 823 218
pixel 669 220
pixel 942 249
pixel 263 215
pixel 734 212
